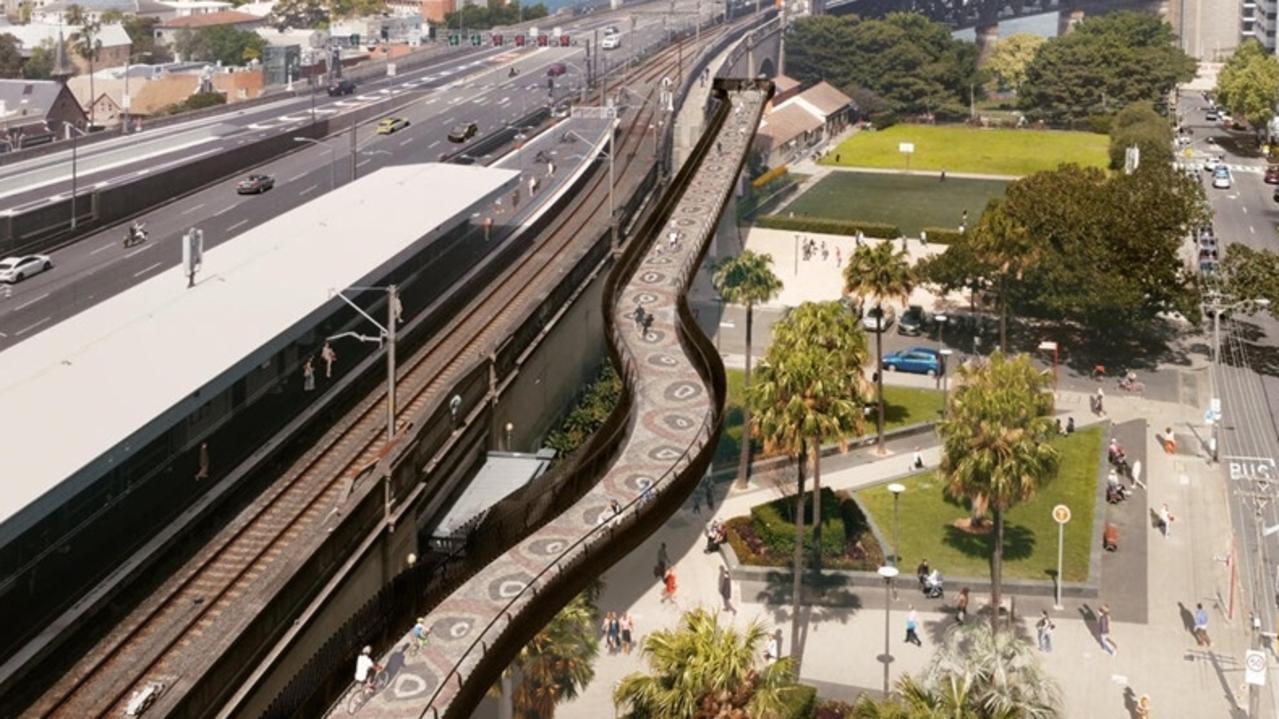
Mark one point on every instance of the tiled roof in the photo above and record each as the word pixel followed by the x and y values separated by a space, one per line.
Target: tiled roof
pixel 826 98
pixel 211 19
pixel 787 123
pixel 785 84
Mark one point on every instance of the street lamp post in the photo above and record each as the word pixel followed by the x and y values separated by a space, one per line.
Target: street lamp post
pixel 897 490
pixel 888 572
pixel 333 158
pixel 387 334
pixel 946 352
pixel 73 131
pixel 1216 304
pixel 941 341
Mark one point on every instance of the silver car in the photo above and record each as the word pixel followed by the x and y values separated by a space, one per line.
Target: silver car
pixel 17 269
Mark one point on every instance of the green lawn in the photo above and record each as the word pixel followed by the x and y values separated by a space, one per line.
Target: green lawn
pixel 958 148
pixel 1030 534
pixel 905 405
pixel 911 202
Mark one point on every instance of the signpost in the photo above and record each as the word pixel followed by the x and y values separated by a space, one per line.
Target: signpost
pixel 1254 668
pixel 907 149
pixel 1061 515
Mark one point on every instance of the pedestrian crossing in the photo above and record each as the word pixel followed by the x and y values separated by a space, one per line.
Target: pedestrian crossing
pixel 1235 169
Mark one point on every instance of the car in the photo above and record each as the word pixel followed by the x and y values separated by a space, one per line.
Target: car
pixel 1275 197
pixel 17 269
pixel 341 87
pixel 1209 242
pixel 387 125
pixel 1212 116
pixel 878 319
pixel 254 185
pixel 611 42
pixel 463 132
pixel 919 360
pixel 914 321
pixel 1221 178
pixel 1213 162
pixel 611 30
pixel 556 69
pixel 1272 174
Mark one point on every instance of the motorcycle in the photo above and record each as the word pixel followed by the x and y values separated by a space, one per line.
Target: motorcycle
pixel 513 72
pixel 132 238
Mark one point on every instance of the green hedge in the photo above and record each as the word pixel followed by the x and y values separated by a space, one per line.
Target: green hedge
pixel 943 235
pixel 879 230
pixel 801 704
pixel 774 523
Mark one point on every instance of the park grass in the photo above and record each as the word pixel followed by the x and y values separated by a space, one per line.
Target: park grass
pixel 1030 534
pixel 959 148
pixel 903 406
pixel 911 202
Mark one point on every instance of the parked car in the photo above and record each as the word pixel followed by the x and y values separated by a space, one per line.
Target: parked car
pixel 878 319
pixel 1212 116
pixel 17 269
pixel 341 87
pixel 463 132
pixel 390 124
pixel 1213 162
pixel 254 185
pixel 1221 178
pixel 556 69
pixel 919 360
pixel 914 321
pixel 611 42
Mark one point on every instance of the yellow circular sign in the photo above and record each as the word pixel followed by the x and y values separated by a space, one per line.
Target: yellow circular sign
pixel 1061 513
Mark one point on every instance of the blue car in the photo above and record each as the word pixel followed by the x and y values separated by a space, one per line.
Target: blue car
pixel 920 360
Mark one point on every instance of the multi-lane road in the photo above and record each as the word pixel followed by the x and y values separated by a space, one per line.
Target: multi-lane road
pixel 475 87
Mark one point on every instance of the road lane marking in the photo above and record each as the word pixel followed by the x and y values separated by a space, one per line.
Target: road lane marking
pixel 197 208
pixel 402 144
pixel 362 163
pixel 146 269
pixel 1245 209
pixel 30 302
pixel 433 144
pixel 30 327
pixel 1252 229
pixel 504 100
pixel 138 251
pixel 309 189
pixel 237 225
pixel 107 246
pixel 225 210
pixel 297 177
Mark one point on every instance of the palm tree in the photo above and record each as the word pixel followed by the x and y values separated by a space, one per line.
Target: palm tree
pixel 997 671
pixel 912 700
pixel 809 391
pixel 746 279
pixel 995 443
pixel 1000 242
pixel 701 669
pixel 879 273
pixel 556 664
pixel 86 43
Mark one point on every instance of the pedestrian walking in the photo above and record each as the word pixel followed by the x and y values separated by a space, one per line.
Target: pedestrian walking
pixel 329 356
pixel 773 649
pixel 1166 519
pixel 614 632
pixel 943 175
pixel 202 470
pixel 708 490
pixel 669 585
pixel 912 626
pixel 917 460
pixel 1170 441
pixel 961 606
pixel 825 253
pixel 1143 707
pixel 1045 629
pixel 860 236
pixel 839 257
pixel 923 238
pixel 1103 631
pixel 697 501
pixel 1070 425
pixel 726 589
pixel 1201 626
pixel 663 561
pixel 308 376
pixel 627 625
pixel 1101 401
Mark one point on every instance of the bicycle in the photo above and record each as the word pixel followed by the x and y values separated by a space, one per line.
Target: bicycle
pixel 1131 384
pixel 362 692
pixel 415 645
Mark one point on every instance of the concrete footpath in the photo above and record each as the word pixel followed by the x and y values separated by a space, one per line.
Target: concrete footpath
pixel 1156 653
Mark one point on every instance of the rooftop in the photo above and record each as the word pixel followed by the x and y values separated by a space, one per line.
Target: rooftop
pixel 88 391
pixel 787 122
pixel 33 34
pixel 211 19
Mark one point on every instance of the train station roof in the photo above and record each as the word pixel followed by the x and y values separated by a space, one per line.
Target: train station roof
pixel 87 392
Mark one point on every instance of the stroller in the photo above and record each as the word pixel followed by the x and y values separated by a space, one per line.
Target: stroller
pixel 932 585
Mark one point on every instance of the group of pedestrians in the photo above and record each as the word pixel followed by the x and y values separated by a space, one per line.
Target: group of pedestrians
pixel 619 632
pixel 328 356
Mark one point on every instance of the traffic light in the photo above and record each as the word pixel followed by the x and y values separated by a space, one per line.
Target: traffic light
pixel 355 40
pixel 564 41
pixel 497 41
pixel 542 41
pixel 455 39
pixel 477 40
pixel 519 41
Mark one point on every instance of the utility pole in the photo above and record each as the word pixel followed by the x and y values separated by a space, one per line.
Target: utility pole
pixel 354 152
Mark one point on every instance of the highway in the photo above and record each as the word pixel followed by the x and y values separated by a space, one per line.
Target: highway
pixel 480 90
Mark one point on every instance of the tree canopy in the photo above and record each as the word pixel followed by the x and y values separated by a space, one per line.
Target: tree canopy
pixel 40 65
pixel 1141 126
pixel 10 57
pixel 493 14
pixel 1249 84
pixel 221 43
pixel 1078 245
pixel 1007 64
pixel 1108 62
pixel 908 60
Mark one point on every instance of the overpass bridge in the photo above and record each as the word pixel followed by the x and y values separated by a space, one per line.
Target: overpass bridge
pixel 635 472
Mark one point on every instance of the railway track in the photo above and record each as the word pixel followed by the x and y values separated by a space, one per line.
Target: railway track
pixel 150 644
